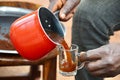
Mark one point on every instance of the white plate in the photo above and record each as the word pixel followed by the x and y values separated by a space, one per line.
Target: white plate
pixel 12 13
pixel 9 51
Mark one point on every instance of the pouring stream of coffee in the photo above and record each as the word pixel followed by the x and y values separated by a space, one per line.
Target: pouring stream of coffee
pixel 55 32
pixel 68 64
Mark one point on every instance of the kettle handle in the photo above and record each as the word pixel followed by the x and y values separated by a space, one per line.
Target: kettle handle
pixel 56 13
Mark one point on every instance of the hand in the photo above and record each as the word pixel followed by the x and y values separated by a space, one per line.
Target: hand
pixel 103 61
pixel 66 7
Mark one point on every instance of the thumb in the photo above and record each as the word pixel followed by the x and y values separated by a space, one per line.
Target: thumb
pixel 68 6
pixel 91 55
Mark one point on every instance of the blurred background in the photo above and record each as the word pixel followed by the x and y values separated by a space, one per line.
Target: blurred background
pixel 4 71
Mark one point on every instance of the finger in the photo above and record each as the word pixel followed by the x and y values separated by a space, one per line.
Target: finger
pixel 99 73
pixel 69 5
pixel 82 56
pixel 98 53
pixel 68 16
pixel 54 6
pixel 90 55
pixel 93 55
pixel 96 65
pixel 103 73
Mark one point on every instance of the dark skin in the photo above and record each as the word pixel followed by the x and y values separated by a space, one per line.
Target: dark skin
pixel 66 7
pixel 100 62
pixel 103 61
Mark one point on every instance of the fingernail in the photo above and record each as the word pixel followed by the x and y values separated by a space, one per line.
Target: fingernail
pixel 63 16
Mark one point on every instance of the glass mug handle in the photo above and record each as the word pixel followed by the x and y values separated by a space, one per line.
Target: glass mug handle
pixel 82 64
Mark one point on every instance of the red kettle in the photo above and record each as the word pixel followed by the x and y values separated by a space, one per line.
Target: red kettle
pixel 29 34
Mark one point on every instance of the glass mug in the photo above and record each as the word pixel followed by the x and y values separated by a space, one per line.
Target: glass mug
pixel 68 60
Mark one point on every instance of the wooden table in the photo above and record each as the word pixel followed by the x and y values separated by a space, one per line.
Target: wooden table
pixel 48 62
